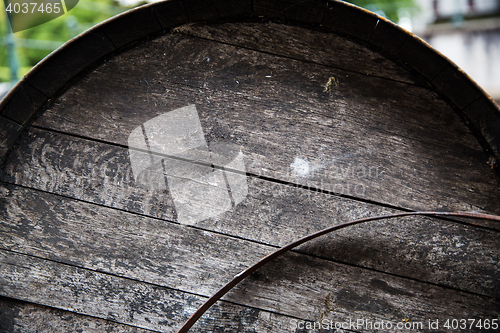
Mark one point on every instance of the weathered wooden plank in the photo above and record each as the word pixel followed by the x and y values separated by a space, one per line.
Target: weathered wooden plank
pixel 439 252
pixel 238 103
pixel 122 300
pixel 21 317
pixel 274 108
pixel 361 170
pixel 221 68
pixel 111 184
pixel 86 292
pixel 329 292
pixel 9 131
pixel 130 98
pixel 302 44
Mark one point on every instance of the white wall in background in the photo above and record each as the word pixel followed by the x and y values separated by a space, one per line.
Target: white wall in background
pixel 473 46
pixel 477 53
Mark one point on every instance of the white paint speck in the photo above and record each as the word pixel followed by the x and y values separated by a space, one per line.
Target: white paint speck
pixel 300 167
pixel 266 316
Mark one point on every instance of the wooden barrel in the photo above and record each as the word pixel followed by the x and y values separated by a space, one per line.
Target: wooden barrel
pixel 152 158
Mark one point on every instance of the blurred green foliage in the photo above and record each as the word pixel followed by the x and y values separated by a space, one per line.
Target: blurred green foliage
pixel 390 9
pixel 29 51
pixel 90 12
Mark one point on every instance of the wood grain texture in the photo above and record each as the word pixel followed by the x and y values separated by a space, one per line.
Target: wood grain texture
pixel 301 44
pixel 429 159
pixel 79 232
pixel 214 69
pixel 111 183
pixel 440 252
pixel 122 300
pixel 9 131
pixel 319 290
pixel 21 317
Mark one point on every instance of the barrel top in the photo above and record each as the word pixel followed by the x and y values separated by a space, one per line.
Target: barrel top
pixel 153 158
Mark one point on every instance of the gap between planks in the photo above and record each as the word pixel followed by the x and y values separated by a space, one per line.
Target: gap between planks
pixel 310 188
pixel 240 238
pixel 187 31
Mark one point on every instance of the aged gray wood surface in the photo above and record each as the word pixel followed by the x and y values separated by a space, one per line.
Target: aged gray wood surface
pixel 256 100
pixel 76 224
pixel 22 317
pixel 301 44
pixel 79 234
pixel 274 214
pixel 296 286
pixel 118 299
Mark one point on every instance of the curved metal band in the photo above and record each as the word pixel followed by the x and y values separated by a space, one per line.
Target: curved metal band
pixel 239 277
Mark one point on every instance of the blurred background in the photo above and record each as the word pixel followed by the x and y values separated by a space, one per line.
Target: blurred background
pixel 466 31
